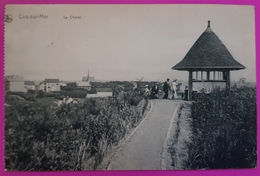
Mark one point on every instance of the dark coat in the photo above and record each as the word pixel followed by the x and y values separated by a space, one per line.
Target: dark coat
pixel 154 90
pixel 166 86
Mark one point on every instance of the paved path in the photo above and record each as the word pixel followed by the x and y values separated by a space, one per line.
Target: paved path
pixel 143 150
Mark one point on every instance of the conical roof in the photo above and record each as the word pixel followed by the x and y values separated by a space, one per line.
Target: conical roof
pixel 208 53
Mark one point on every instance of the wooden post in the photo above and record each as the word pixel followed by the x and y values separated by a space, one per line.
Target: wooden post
pixel 225 75
pixel 207 76
pixel 190 85
pixel 228 80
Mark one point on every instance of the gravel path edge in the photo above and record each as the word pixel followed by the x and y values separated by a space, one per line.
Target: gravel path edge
pixel 127 138
pixel 166 157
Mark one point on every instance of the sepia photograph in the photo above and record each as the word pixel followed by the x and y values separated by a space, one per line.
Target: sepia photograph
pixel 129 87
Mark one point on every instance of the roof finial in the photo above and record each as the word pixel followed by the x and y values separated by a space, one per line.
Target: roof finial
pixel 209 24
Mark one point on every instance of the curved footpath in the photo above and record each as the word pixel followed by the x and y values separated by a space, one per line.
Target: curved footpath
pixel 143 149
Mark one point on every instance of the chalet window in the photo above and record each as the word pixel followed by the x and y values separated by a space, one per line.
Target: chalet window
pixel 194 75
pixel 209 75
pixel 199 75
pixel 204 75
pixel 217 75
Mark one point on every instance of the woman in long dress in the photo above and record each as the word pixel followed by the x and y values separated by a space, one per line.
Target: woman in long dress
pixel 170 94
pixel 174 89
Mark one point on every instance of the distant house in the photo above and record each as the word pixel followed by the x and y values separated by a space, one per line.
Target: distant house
pixel 14 83
pixel 101 92
pixel 50 85
pixel 29 85
pixel 84 85
pixel 63 84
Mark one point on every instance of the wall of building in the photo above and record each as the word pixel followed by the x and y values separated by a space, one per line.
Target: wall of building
pixel 51 87
pixel 17 87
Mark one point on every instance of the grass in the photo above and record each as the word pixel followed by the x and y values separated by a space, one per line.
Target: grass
pixel 41 137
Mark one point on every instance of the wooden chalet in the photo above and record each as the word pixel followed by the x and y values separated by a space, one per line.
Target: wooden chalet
pixel 209 63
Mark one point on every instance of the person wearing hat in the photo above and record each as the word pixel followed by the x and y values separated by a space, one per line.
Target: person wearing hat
pixel 155 90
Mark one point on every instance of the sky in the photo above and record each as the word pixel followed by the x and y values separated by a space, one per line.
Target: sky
pixel 121 42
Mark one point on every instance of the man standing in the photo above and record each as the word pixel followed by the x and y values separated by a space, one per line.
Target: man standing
pixel 166 88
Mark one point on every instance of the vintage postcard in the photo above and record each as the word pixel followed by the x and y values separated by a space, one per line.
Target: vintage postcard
pixel 130 87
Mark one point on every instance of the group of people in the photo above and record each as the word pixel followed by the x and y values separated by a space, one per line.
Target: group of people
pixel 169 88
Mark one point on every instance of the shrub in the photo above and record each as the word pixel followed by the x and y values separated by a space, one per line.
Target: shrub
pixel 40 94
pixel 75 93
pixel 224 129
pixel 72 137
pixel 31 91
pixel 26 96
